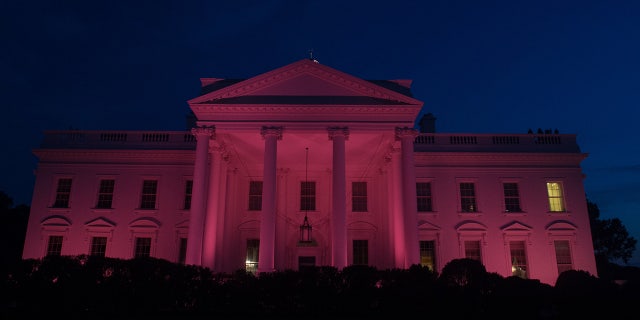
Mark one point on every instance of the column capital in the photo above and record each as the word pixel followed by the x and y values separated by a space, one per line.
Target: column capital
pixel 406 132
pixel 271 131
pixel 338 131
pixel 208 132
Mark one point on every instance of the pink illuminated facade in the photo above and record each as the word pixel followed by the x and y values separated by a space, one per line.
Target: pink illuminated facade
pixel 306 140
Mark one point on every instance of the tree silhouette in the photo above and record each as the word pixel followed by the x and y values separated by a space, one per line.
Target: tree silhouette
pixel 611 240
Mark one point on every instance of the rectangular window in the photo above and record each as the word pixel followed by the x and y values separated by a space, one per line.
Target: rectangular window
pixel 307 195
pixel 361 252
pixel 188 191
pixel 472 250
pixel 511 197
pixel 428 254
pixel 563 255
pixel 182 253
pixel 143 248
pixel 468 197
pixel 54 247
pixel 423 191
pixel 556 198
pixel 149 193
pixel 253 250
pixel 255 195
pixel 359 196
pixel 98 246
pixel 105 194
pixel 518 259
pixel 63 193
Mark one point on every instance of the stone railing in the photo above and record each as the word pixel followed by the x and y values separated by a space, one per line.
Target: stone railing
pixel 72 139
pixel 461 142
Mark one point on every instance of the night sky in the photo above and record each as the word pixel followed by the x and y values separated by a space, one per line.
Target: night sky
pixel 479 67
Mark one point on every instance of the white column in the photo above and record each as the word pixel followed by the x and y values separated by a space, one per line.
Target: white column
pixel 409 202
pixel 397 217
pixel 213 211
pixel 198 199
pixel 266 252
pixel 339 212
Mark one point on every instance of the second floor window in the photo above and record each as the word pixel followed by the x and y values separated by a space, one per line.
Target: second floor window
pixel 423 191
pixel 511 197
pixel 556 198
pixel 149 194
pixel 63 193
pixel 307 195
pixel 255 195
pixel 468 197
pixel 188 191
pixel 359 196
pixel 105 194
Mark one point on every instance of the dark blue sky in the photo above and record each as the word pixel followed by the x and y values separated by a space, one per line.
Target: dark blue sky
pixel 479 67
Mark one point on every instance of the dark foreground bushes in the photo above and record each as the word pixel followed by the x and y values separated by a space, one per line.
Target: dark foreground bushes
pixel 105 288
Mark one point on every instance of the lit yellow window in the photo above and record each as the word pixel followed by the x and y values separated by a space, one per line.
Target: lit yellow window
pixel 556 199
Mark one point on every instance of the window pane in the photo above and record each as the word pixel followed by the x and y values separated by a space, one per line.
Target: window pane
pixel 563 255
pixel 472 250
pixel 54 247
pixel 148 199
pixel 359 197
pixel 105 194
pixel 63 193
pixel 255 195
pixel 251 262
pixel 188 191
pixel 511 197
pixel 468 197
pixel 98 246
pixel 360 252
pixel 143 247
pixel 423 191
pixel 518 259
pixel 428 254
pixel 182 253
pixel 556 199
pixel 308 195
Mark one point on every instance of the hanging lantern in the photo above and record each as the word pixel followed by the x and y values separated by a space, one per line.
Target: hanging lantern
pixel 305 231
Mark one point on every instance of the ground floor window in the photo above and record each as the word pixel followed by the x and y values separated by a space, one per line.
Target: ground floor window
pixel 54 246
pixel 518 259
pixel 142 248
pixel 428 254
pixel 98 246
pixel 360 252
pixel 251 261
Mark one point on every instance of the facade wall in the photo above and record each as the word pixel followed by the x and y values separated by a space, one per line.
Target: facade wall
pixel 447 225
pixel 308 106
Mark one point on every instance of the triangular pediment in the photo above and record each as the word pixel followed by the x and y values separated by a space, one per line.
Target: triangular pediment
pixel 516 226
pixel 307 82
pixel 100 222
pixel 427 226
